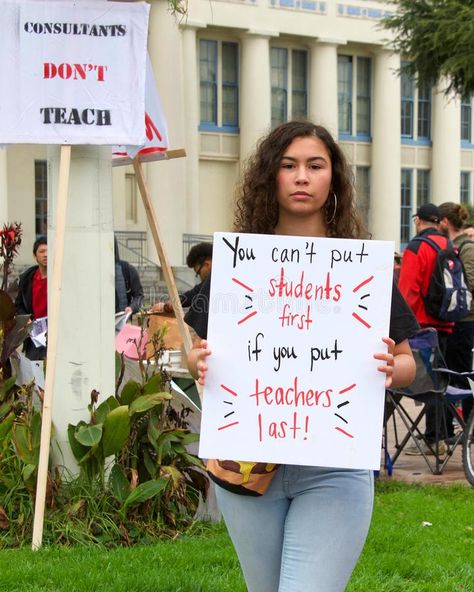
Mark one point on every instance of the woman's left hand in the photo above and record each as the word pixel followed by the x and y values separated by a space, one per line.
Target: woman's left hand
pixel 388 358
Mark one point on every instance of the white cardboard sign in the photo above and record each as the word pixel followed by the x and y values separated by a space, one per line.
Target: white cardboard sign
pixel 293 326
pixel 73 72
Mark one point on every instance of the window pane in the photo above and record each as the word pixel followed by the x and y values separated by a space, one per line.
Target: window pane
pixel 344 93
pixel 208 80
pixel 406 205
pixel 424 112
pixel 407 87
pixel 279 81
pixel 41 197
pixel 230 89
pixel 466 118
pixel 422 187
pixel 465 192
pixel 299 84
pixel 363 96
pixel 362 185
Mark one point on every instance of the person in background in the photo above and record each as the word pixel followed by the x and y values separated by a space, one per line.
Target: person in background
pixel 299 528
pixel 418 263
pixel 200 260
pixel 128 288
pixel 32 297
pixel 468 230
pixel 461 340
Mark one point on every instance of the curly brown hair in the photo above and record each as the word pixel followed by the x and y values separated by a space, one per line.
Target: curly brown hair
pixel 257 209
pixel 456 214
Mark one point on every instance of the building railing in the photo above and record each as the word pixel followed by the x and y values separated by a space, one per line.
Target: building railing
pixel 189 240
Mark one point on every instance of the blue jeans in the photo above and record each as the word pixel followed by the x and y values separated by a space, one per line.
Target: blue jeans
pixel 305 534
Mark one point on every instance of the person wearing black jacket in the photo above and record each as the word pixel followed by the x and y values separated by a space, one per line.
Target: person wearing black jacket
pixel 128 287
pixel 32 297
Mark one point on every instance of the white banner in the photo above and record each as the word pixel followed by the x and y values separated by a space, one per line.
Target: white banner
pixel 73 72
pixel 293 326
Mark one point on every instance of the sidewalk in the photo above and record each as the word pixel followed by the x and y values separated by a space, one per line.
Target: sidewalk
pixel 413 469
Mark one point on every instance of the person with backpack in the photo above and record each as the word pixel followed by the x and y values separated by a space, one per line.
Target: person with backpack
pixel 418 265
pixel 460 342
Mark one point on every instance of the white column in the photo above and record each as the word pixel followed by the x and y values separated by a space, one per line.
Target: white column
pixel 323 89
pixel 3 187
pixel 166 180
pixel 191 123
pixel 384 220
pixel 85 354
pixel 255 92
pixel 446 151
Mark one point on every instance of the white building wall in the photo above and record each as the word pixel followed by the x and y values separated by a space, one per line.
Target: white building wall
pixel 195 194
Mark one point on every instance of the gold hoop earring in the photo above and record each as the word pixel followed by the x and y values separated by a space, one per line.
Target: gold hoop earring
pixel 335 209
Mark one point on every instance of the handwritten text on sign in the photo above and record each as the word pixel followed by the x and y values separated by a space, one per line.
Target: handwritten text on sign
pixel 293 326
pixel 76 73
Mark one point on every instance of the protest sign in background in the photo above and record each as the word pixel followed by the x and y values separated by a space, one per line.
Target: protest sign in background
pixel 294 323
pixel 156 128
pixel 73 72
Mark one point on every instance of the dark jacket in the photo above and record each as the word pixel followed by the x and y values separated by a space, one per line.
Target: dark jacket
pixel 24 306
pixel 133 286
pixel 24 298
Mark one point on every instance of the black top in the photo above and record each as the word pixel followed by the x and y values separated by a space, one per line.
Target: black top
pixel 402 321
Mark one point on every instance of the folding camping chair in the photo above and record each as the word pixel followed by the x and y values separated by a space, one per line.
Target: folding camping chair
pixel 430 386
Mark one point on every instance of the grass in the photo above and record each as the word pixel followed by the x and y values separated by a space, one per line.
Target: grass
pixel 400 555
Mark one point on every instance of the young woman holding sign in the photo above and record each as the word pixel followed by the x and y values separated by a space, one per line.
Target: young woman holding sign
pixel 299 528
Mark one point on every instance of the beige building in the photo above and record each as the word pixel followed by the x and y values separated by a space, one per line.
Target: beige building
pixel 233 68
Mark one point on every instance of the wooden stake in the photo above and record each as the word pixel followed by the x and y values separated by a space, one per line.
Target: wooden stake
pixel 160 248
pixel 53 329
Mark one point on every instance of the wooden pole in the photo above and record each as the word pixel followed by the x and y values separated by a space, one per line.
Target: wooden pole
pixel 53 329
pixel 165 266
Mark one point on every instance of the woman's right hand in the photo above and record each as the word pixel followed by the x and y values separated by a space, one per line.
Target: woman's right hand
pixel 197 360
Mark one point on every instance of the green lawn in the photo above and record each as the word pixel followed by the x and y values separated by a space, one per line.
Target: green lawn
pixel 401 554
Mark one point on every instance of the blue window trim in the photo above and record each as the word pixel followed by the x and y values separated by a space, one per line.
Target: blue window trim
pixel 466 145
pixel 226 129
pixel 350 138
pixel 421 142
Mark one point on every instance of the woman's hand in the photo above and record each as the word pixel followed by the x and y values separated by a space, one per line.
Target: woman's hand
pixel 399 367
pixel 389 360
pixel 197 360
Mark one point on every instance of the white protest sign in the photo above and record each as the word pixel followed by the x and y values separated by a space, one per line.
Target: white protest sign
pixel 293 326
pixel 73 72
pixel 156 128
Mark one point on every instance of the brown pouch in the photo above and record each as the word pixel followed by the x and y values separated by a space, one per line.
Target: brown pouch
pixel 244 478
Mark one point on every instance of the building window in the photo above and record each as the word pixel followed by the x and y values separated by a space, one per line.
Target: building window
pixel 41 197
pixel 344 94
pixel 362 186
pixel 363 97
pixel 423 178
pixel 465 195
pixel 219 84
pixel 354 80
pixel 406 201
pixel 424 112
pixel 415 108
pixel 289 80
pixel 131 206
pixel 407 89
pixel 466 120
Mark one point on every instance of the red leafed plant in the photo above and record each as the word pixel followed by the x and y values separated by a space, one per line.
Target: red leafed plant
pixel 12 332
pixel 10 241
